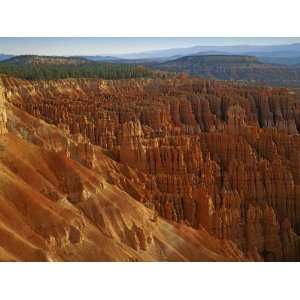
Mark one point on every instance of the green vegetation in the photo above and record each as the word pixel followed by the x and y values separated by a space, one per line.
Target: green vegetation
pixel 86 70
pixel 233 68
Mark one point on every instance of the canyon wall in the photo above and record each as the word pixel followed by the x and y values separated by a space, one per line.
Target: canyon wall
pixel 211 155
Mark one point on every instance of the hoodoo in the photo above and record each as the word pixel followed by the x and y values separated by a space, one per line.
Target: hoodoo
pixel 3 118
pixel 217 162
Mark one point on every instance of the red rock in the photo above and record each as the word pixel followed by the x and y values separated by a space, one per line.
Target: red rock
pixel 212 155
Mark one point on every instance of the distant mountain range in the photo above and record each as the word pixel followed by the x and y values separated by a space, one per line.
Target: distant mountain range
pixel 5 56
pixel 277 54
pixel 271 70
pixel 291 50
pixel 233 67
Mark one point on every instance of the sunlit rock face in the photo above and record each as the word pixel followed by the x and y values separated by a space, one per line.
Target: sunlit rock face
pixel 3 117
pixel 200 153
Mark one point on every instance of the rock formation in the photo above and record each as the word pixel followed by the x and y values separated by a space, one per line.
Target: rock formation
pixel 3 118
pixel 200 153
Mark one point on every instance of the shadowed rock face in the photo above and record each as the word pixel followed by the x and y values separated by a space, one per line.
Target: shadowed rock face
pixel 206 154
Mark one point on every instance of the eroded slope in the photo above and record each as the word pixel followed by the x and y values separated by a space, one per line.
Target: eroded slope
pixel 206 154
pixel 63 199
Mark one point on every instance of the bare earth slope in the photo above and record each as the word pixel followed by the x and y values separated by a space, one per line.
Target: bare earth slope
pixel 63 199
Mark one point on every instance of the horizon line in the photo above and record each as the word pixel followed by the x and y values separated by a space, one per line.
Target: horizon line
pixel 152 50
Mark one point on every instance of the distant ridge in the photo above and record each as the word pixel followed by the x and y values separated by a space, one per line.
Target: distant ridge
pixel 200 64
pixel 5 56
pixel 217 58
pixel 100 58
pixel 233 67
pixel 35 67
pixel 286 50
pixel 55 60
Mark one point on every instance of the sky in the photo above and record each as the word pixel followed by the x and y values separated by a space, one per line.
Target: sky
pixel 112 46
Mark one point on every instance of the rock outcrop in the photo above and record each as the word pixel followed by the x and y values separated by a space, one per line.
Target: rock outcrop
pixel 201 153
pixel 3 118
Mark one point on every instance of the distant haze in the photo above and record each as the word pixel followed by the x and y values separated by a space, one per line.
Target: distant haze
pixel 123 47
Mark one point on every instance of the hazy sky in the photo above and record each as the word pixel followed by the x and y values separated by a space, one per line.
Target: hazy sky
pixel 109 46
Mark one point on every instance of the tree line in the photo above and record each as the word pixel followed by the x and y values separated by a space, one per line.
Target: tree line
pixel 89 70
